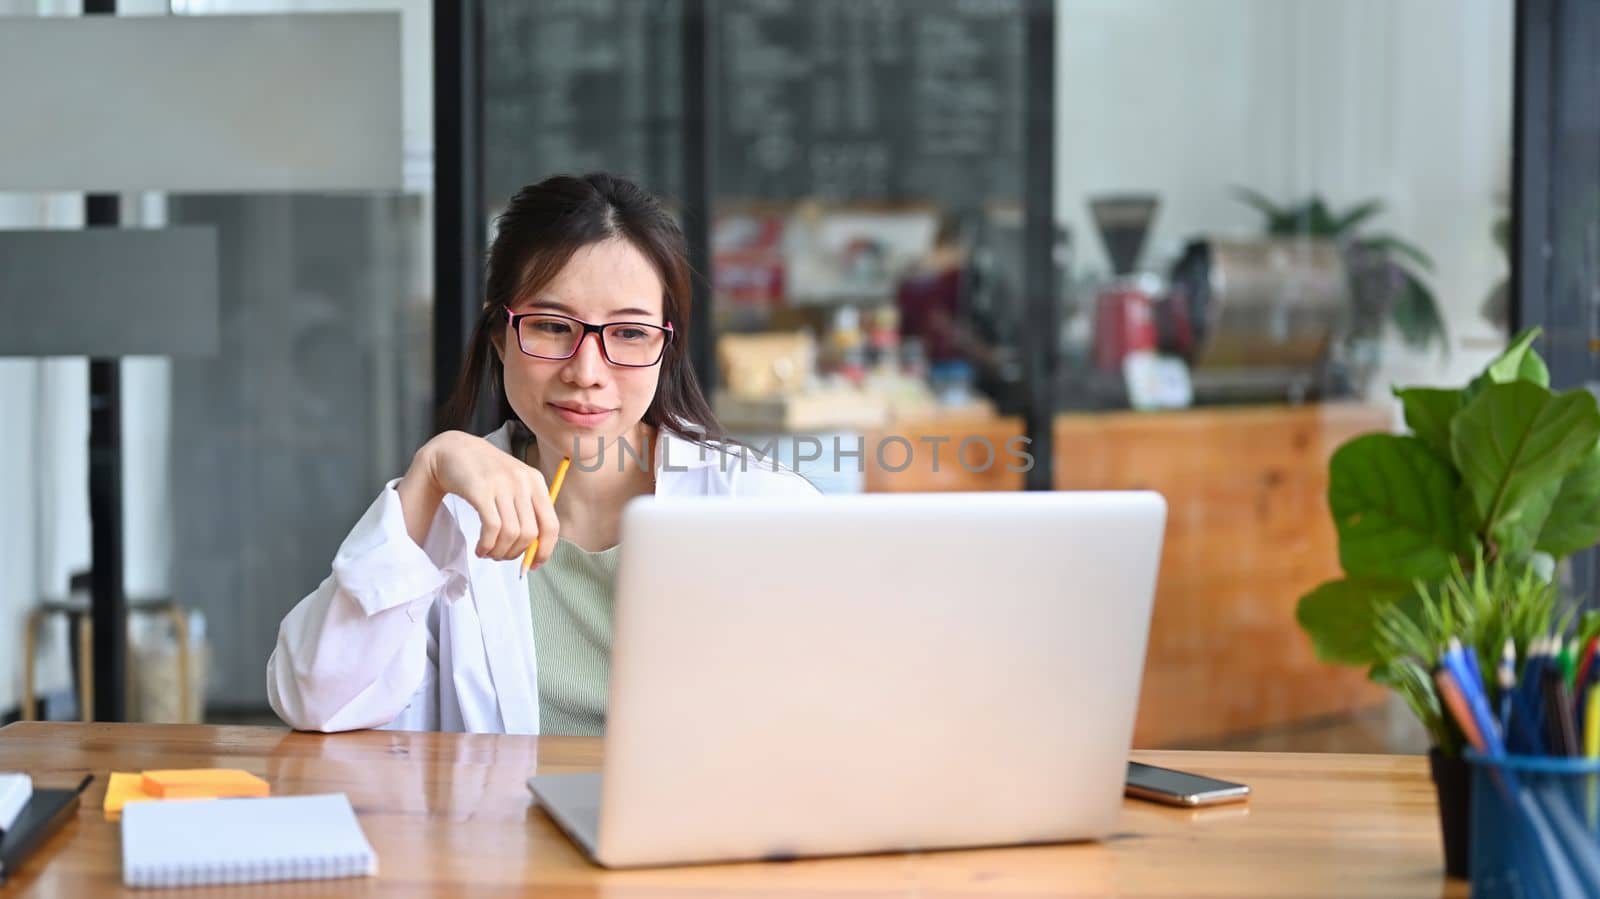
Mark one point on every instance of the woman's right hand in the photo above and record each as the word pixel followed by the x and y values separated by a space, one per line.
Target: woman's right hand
pixel 511 498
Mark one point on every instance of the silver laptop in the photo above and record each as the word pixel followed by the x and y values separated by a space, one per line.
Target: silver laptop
pixel 880 673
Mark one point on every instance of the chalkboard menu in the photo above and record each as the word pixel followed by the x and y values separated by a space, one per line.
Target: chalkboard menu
pixel 572 86
pixel 832 99
pixel 870 99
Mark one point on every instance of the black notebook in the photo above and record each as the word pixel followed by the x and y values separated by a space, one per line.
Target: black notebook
pixel 44 814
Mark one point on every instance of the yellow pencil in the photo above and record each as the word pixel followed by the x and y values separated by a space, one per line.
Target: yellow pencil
pixel 555 491
pixel 1591 725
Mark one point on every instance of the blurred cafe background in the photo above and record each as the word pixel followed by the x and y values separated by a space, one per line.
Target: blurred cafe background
pixel 1184 245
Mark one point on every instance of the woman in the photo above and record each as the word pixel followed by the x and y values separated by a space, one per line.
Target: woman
pixel 425 623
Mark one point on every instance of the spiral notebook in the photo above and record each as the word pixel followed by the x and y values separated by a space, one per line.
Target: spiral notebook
pixel 226 841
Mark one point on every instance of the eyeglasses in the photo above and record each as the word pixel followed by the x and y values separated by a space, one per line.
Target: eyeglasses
pixel 545 335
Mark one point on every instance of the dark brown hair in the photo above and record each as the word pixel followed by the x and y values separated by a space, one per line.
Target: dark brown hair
pixel 542 226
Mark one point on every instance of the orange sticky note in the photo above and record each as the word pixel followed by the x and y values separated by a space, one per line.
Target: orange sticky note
pixel 122 789
pixel 203 783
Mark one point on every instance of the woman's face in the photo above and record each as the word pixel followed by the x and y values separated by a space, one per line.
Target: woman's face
pixel 575 403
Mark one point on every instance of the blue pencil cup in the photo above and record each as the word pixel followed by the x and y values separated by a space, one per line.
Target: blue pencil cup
pixel 1535 826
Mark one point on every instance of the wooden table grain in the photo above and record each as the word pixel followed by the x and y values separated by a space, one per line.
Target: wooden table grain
pixel 449 815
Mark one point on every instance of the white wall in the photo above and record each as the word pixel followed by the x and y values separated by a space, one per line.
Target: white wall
pixel 1407 100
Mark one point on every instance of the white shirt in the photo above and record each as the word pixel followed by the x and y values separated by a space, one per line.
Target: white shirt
pixel 432 637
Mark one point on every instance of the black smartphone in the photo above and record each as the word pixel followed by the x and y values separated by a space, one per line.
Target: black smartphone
pixel 1180 787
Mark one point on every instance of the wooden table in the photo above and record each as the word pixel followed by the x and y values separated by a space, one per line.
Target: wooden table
pixel 449 815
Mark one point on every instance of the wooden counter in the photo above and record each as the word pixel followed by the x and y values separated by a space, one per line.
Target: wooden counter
pixel 935 460
pixel 1248 532
pixel 449 816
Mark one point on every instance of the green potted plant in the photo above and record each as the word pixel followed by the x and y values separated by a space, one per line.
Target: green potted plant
pixel 1385 275
pixel 1484 606
pixel 1455 529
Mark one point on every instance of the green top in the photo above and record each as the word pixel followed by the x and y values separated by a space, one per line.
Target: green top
pixel 572 604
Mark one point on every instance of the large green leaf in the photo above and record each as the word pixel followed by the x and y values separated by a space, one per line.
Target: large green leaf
pixel 1520 362
pixel 1517 532
pixel 1428 414
pixel 1517 362
pixel 1573 521
pixel 1339 616
pixel 1393 502
pixel 1511 441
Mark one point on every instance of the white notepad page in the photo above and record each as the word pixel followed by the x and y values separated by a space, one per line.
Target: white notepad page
pixel 15 791
pixel 223 841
